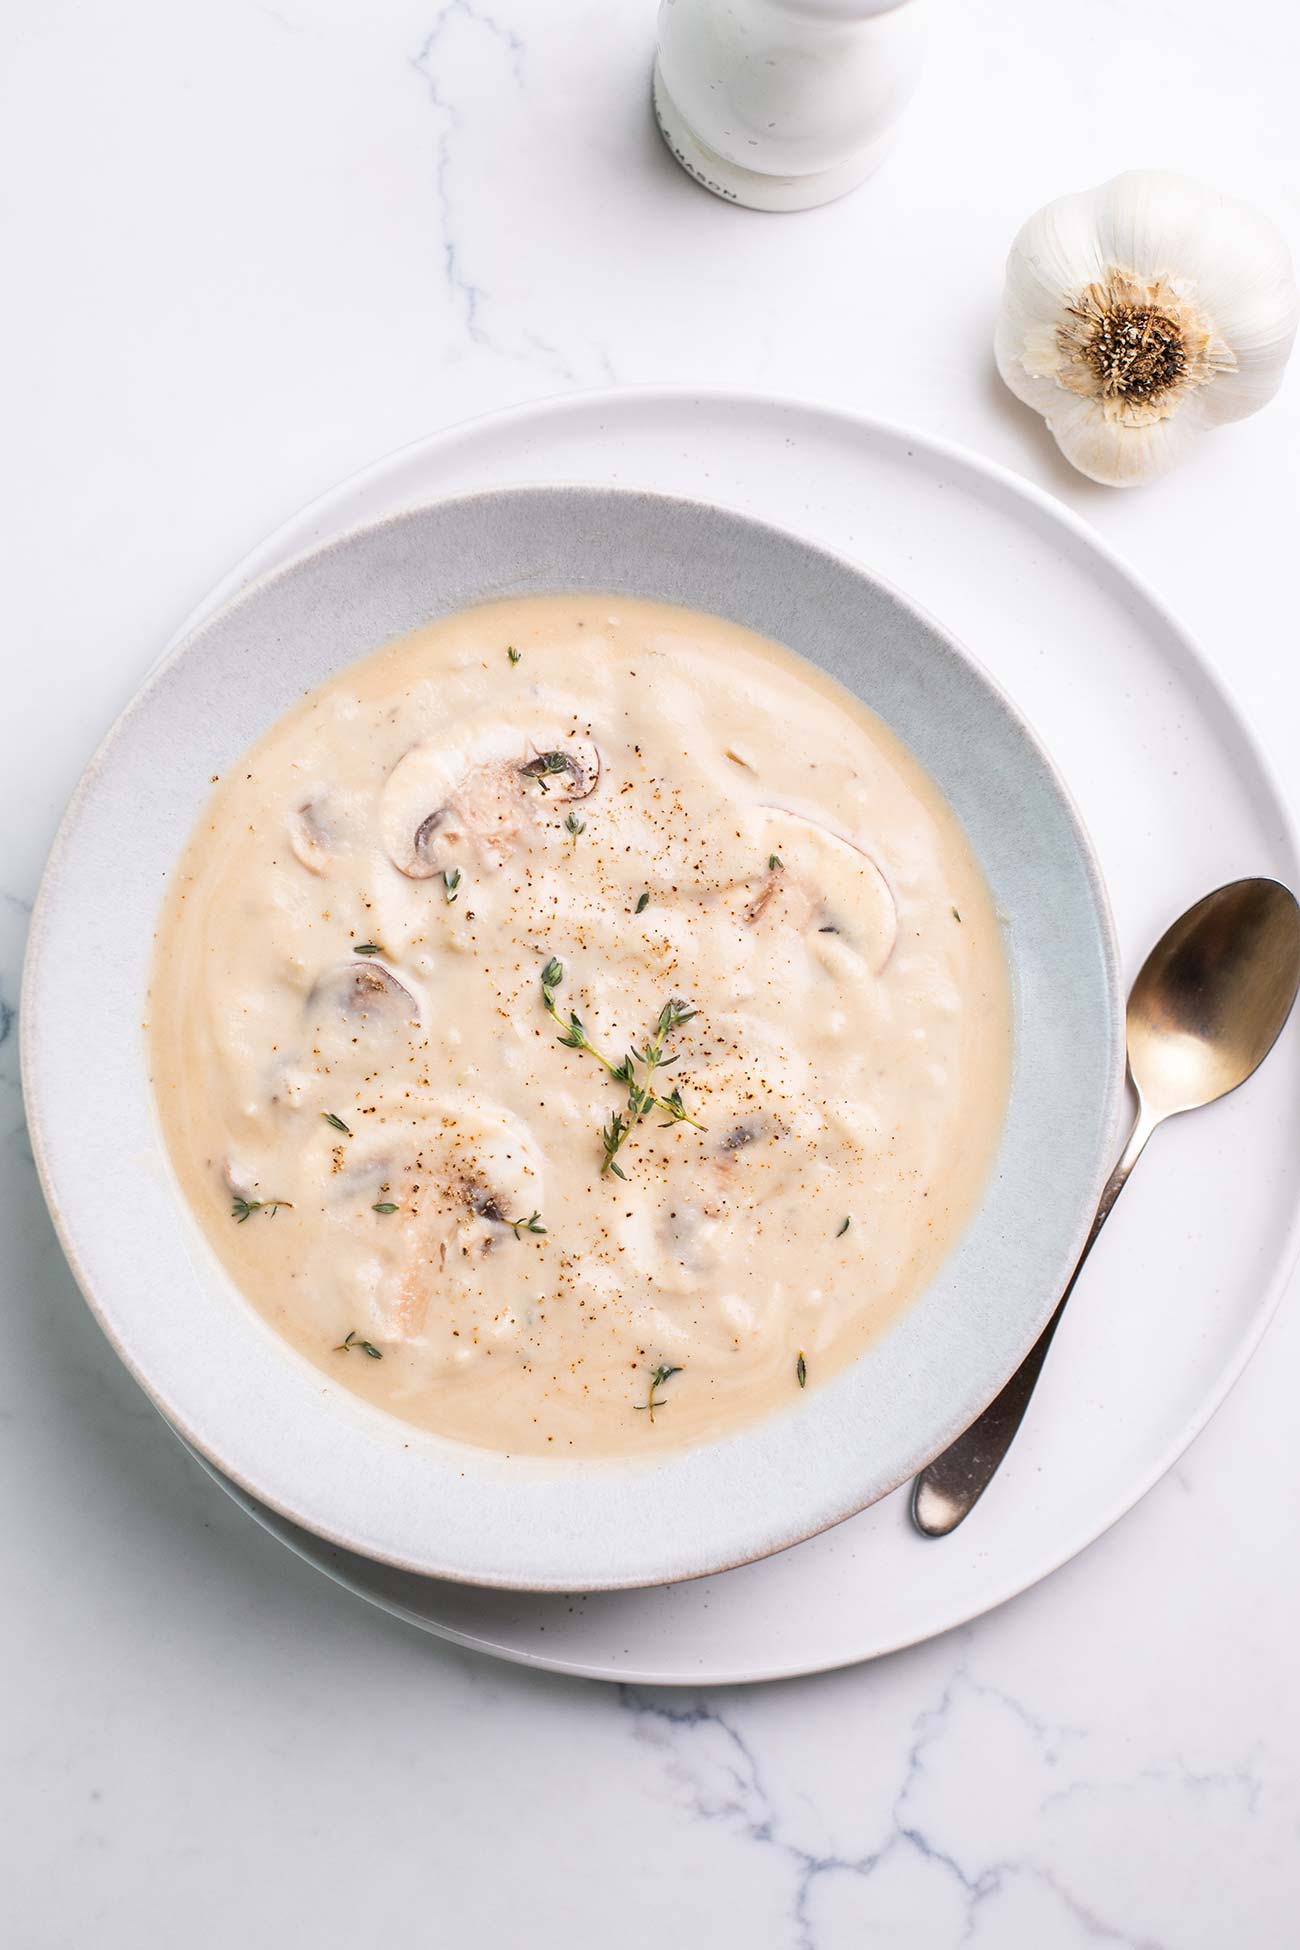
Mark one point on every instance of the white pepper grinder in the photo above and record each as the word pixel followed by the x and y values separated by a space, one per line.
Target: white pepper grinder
pixel 784 104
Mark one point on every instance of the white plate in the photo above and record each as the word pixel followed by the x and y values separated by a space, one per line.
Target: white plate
pixel 1178 798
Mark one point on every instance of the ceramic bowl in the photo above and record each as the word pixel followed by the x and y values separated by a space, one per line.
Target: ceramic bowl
pixel 263 1414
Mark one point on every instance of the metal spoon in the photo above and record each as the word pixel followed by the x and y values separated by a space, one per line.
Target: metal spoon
pixel 1207 1007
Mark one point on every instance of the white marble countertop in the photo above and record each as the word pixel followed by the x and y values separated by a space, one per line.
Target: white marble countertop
pixel 249 247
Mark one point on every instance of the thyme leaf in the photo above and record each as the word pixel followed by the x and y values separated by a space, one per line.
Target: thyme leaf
pixel 844 1228
pixel 575 825
pixel 337 1122
pixel 612 1137
pixel 644 902
pixel 671 1016
pixel 532 1224
pixel 513 654
pixel 242 1208
pixel 451 881
pixel 366 1347
pixel 657 1380
pixel 368 948
pixel 385 1205
pixel 801 1371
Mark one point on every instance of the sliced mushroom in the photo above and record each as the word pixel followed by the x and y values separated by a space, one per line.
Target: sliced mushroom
pixel 445 804
pixel 356 1018
pixel 825 886
pixel 366 992
pixel 309 837
pixel 769 887
pixel 461 1170
pixel 756 1127
pixel 685 1246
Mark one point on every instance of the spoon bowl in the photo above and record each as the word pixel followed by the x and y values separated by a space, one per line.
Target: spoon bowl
pixel 1212 996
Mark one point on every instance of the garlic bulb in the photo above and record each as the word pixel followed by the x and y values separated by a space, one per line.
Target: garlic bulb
pixel 1140 313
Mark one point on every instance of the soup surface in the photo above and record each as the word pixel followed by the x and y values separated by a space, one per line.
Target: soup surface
pixel 580 1026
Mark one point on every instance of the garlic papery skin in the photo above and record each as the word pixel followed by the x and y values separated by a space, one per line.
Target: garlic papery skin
pixel 1142 313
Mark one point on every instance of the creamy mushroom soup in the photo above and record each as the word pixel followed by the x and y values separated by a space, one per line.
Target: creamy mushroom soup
pixel 580 1027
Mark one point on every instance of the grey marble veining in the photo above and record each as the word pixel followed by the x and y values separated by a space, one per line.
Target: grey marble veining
pixel 465 38
pixel 989 1877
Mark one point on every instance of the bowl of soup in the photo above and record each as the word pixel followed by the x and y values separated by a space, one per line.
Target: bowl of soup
pixel 597 1038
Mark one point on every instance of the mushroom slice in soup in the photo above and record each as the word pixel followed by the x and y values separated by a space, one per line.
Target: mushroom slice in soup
pixel 463 1172
pixel 447 802
pixel 309 838
pixel 366 993
pixel 354 1019
pixel 820 883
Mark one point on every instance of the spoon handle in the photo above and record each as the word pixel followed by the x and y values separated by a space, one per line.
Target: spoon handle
pixel 949 1488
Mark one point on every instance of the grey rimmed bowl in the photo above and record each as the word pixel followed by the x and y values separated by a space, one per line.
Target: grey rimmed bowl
pixel 263 1414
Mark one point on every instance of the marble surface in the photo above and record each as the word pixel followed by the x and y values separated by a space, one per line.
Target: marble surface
pixel 248 247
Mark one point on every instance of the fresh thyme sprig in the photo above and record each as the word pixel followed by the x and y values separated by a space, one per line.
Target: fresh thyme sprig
pixel 532 1224
pixel 243 1207
pixel 367 1347
pixel 575 826
pixel 513 654
pixel 640 1096
pixel 657 1380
